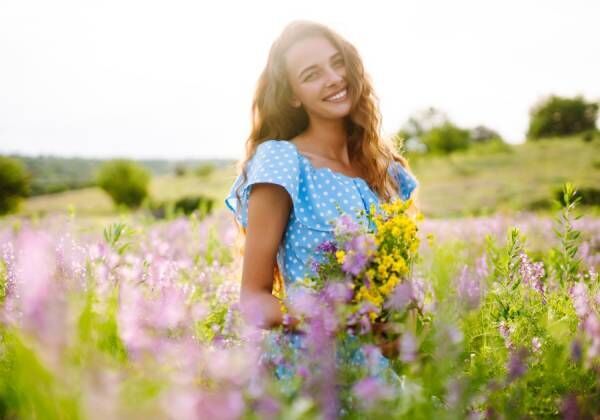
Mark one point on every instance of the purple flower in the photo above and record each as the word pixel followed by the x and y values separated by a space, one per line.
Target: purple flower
pixel 354 263
pixel 268 407
pixel 338 292
pixel 372 355
pixel 532 273
pixel 359 251
pixel 481 267
pixel 345 224
pixel 221 405
pixel 579 296
pixel 314 266
pixel 408 348
pixel 576 350
pixel 402 295
pixel 506 332
pixel 468 287
pixel 589 320
pixel 569 408
pixel 516 366
pixel 362 244
pixel 371 390
pixel 454 392
pixel 303 301
pixel 327 246
pixel 419 287
pixel 536 344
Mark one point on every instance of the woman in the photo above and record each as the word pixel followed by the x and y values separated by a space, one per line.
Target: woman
pixel 314 147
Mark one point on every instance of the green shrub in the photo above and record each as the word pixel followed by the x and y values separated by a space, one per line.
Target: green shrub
pixel 446 139
pixel 14 184
pixel 590 135
pixel 557 117
pixel 160 209
pixel 189 204
pixel 125 181
pixel 180 170
pixel 185 205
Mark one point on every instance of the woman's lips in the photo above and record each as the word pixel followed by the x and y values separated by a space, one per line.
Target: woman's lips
pixel 338 97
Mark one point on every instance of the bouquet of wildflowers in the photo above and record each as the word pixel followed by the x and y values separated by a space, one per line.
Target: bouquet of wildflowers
pixel 371 261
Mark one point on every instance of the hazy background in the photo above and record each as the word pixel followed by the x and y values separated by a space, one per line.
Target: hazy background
pixel 175 79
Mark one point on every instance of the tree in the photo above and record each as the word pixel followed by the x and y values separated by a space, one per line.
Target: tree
pixel 14 183
pixel 483 134
pixel 423 121
pixel 125 181
pixel 556 117
pixel 446 138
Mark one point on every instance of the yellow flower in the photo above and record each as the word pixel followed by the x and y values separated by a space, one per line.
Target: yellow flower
pixel 340 255
pixel 370 295
pixel 400 266
pixel 382 271
pixel 387 288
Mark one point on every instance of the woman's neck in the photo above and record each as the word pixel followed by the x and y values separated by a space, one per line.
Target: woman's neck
pixel 326 138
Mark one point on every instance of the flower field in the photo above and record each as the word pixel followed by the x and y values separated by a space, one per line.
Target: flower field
pixel 498 317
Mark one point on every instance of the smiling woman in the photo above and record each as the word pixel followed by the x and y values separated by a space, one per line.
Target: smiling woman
pixel 315 147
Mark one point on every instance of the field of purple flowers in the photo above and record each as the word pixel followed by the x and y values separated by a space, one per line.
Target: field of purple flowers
pixel 141 320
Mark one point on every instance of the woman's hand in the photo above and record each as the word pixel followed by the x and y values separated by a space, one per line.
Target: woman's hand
pixel 382 332
pixel 291 323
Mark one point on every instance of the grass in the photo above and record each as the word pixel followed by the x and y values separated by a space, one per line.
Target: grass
pixel 478 181
pixel 521 178
pixel 94 202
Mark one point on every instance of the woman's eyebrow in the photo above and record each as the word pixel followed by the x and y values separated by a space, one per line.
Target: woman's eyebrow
pixel 315 65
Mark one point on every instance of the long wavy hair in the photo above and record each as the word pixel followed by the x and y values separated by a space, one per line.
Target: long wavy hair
pixel 274 118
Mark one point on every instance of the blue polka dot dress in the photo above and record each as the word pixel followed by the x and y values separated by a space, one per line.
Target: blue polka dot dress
pixel 318 196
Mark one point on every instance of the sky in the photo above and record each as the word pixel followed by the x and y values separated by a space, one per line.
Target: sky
pixel 175 79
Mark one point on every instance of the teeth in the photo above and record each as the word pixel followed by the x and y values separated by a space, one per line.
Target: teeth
pixel 338 96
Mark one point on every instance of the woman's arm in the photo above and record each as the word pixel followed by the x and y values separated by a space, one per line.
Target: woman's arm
pixel 269 207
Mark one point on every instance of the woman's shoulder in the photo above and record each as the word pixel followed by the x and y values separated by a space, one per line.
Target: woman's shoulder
pixel 273 162
pixel 274 147
pixel 275 156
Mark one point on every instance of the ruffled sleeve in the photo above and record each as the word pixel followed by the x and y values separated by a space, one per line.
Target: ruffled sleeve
pixel 407 182
pixel 273 162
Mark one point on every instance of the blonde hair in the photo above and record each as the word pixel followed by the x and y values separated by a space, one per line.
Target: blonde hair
pixel 273 117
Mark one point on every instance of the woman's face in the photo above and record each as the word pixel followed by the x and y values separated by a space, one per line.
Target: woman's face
pixel 317 75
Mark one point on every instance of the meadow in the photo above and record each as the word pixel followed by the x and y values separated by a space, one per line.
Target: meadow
pixel 112 314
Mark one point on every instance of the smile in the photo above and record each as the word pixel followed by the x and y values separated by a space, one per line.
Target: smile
pixel 338 97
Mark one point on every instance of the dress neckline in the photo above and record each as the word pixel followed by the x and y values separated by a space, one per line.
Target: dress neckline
pixel 323 168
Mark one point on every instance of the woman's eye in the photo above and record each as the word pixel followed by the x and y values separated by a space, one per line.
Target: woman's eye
pixel 310 75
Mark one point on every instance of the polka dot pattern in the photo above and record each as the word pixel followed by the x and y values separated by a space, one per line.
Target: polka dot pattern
pixel 319 195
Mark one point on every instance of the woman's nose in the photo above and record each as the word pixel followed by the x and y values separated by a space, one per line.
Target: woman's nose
pixel 333 76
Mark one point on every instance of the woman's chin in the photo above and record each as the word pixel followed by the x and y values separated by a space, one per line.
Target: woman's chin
pixel 341 110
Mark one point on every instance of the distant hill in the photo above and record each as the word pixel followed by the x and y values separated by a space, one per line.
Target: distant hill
pixel 51 174
pixel 523 177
